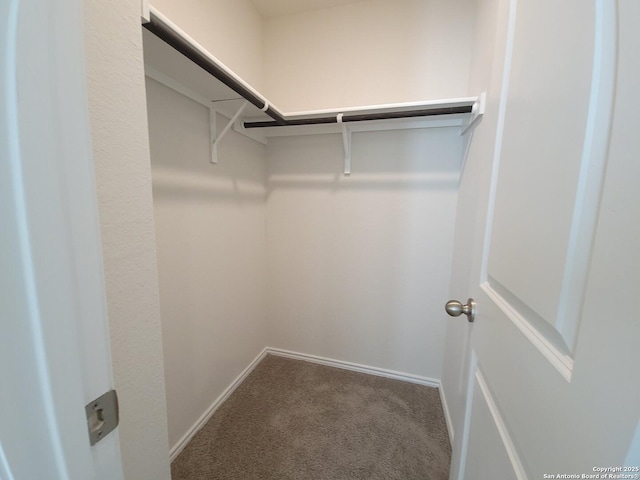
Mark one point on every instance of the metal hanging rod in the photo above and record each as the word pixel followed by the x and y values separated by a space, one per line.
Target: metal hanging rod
pixel 163 29
pixel 365 116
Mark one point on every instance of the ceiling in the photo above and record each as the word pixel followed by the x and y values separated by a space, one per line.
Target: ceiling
pixel 276 8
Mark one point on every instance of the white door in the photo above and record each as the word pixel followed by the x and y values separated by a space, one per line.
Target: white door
pixel 54 349
pixel 546 381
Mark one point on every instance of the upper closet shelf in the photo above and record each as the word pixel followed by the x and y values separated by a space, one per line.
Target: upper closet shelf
pixel 191 65
pixel 175 59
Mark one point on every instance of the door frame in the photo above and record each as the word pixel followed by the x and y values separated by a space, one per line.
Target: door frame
pixel 54 342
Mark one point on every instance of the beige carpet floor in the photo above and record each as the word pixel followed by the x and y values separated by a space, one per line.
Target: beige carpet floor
pixel 295 420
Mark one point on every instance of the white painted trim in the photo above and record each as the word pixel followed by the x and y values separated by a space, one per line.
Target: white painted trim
pixel 206 416
pixel 562 362
pixel 509 446
pixel 447 414
pixel 356 367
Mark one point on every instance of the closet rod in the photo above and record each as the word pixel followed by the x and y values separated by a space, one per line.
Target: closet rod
pixel 365 116
pixel 165 33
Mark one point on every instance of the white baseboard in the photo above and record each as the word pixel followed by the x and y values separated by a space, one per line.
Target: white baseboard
pixel 380 372
pixel 356 367
pixel 447 414
pixel 204 418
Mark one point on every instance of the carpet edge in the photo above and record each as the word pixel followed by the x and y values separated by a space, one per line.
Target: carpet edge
pixel 208 413
pixel 355 367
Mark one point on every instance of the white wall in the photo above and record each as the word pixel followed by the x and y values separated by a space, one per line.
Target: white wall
pixel 368 52
pixel 113 47
pixel 211 234
pixel 359 266
pixel 230 29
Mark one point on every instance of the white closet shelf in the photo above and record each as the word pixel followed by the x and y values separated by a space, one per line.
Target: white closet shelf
pixel 385 108
pixel 171 54
pixel 175 59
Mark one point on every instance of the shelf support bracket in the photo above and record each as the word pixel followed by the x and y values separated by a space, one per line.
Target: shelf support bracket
pixel 477 112
pixel 215 139
pixel 346 140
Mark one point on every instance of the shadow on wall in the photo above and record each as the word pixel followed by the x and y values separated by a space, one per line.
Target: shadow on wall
pixel 179 136
pixel 401 159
